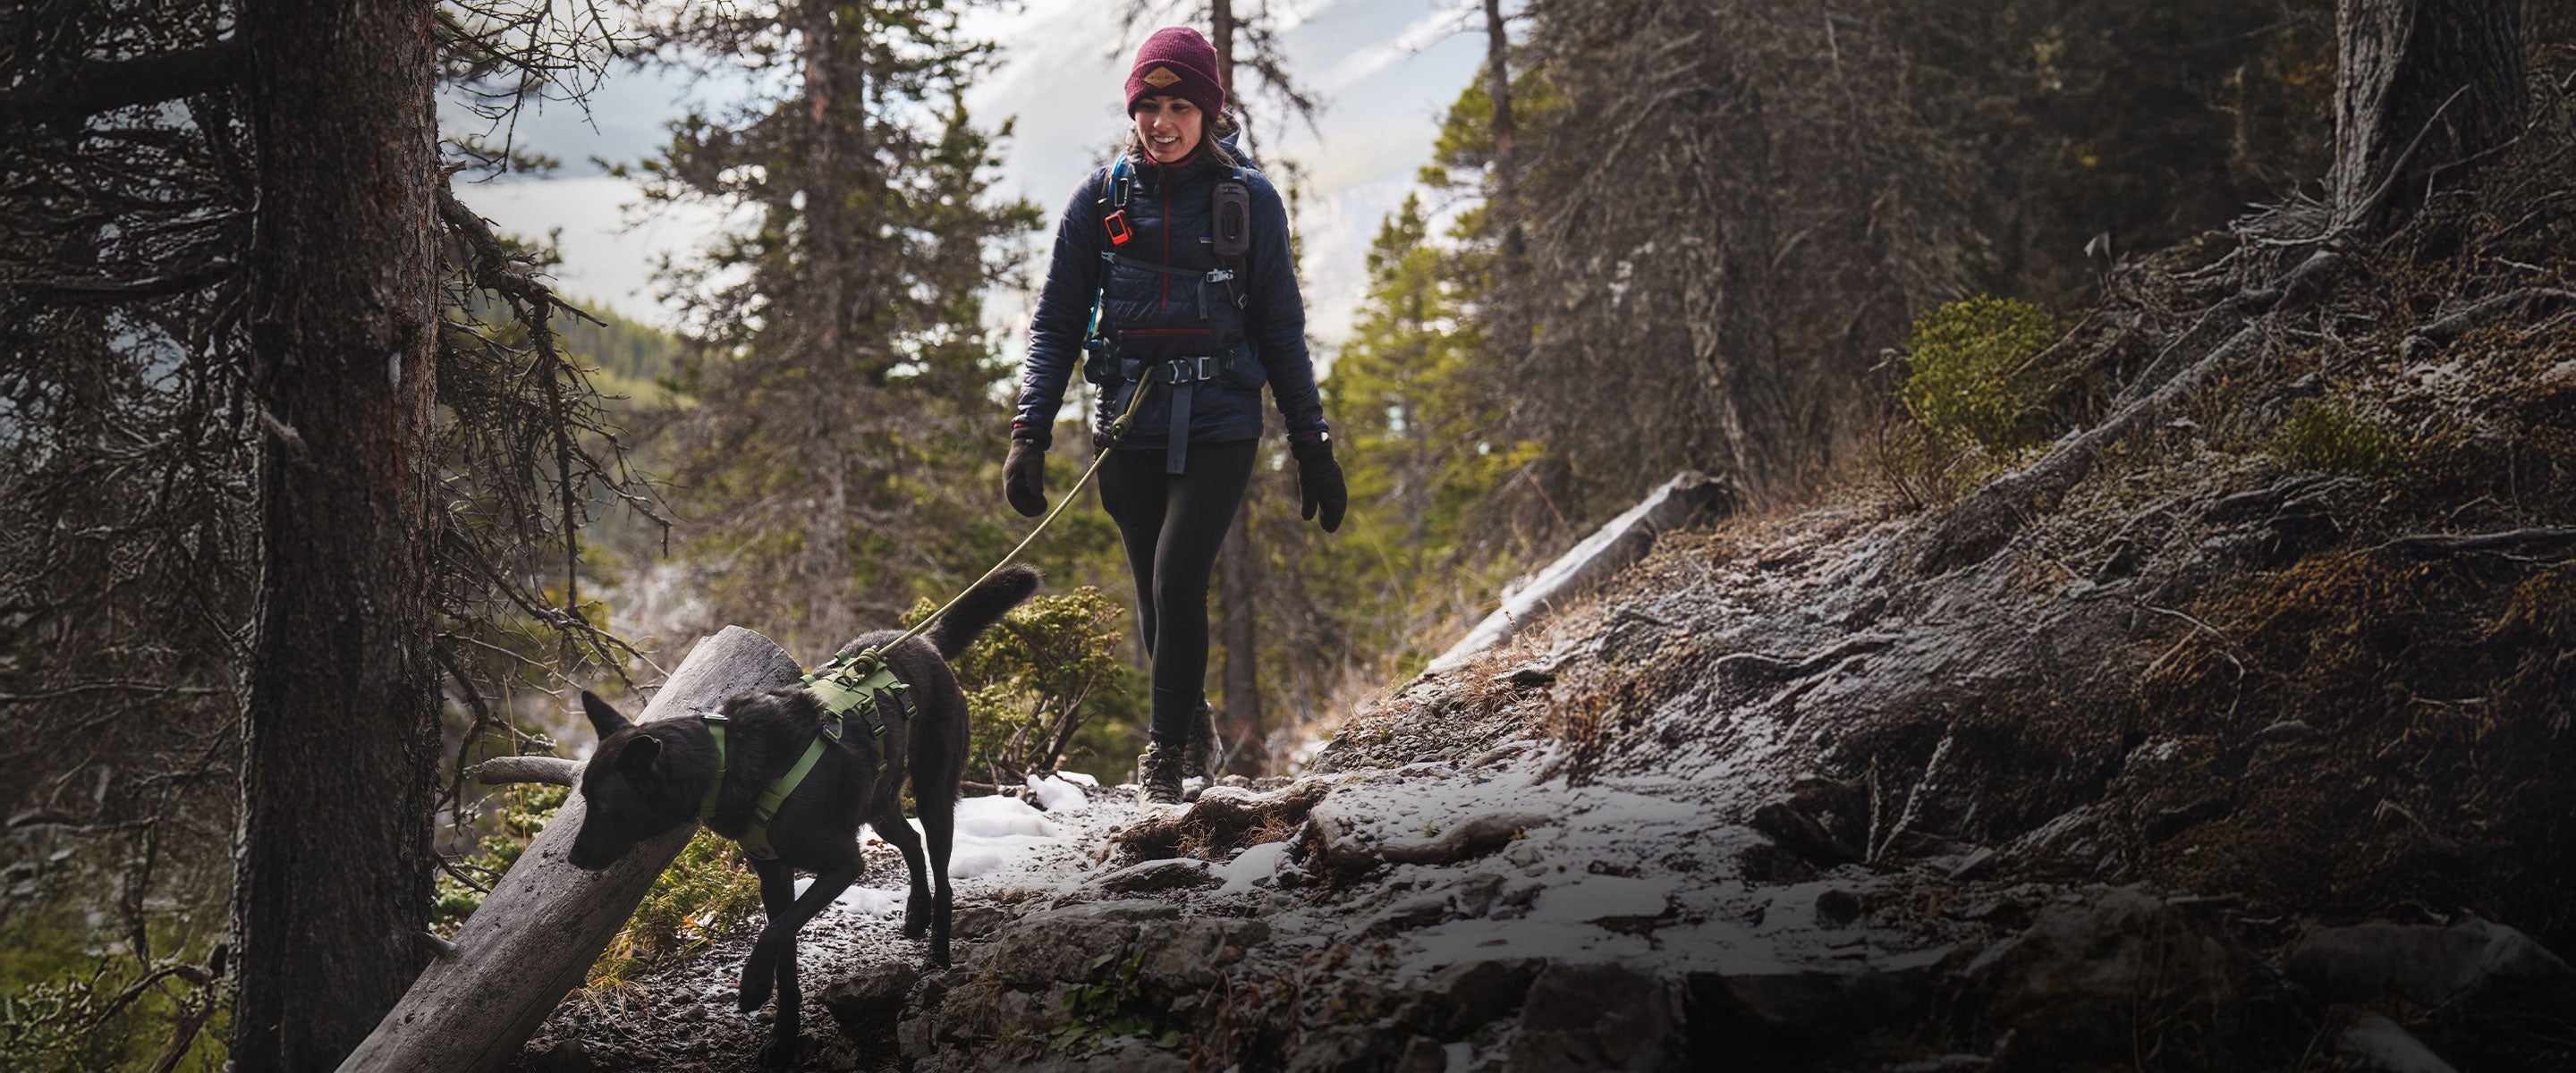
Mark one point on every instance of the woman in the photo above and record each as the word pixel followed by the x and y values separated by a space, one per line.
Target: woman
pixel 1184 252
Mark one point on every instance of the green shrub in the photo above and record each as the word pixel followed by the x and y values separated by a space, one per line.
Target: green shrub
pixel 700 896
pixel 1970 378
pixel 703 894
pixel 2324 436
pixel 1033 681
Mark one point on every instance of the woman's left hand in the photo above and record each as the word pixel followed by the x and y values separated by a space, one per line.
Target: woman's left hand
pixel 1319 483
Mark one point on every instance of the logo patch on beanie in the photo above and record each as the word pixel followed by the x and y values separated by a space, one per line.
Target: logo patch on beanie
pixel 1160 77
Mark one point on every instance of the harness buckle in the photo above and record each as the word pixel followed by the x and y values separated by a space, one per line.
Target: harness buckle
pixel 1204 372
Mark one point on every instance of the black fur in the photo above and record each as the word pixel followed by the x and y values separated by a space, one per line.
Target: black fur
pixel 646 780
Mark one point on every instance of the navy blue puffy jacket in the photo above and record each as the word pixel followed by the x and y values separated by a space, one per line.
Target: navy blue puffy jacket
pixel 1158 315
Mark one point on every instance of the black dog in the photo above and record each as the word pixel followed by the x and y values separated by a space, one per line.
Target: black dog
pixel 645 780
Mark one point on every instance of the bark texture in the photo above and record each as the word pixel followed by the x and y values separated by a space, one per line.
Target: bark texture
pixel 340 740
pixel 543 926
pixel 2420 86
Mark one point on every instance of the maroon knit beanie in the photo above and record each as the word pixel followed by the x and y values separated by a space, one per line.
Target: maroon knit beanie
pixel 1176 62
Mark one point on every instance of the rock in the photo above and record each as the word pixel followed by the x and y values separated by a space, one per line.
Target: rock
pixel 2071 846
pixel 2427 965
pixel 1453 1001
pixel 1422 1054
pixel 1836 907
pixel 1420 910
pixel 1179 873
pixel 871 997
pixel 567 1056
pixel 2168 784
pixel 2095 970
pixel 1783 1015
pixel 2375 1044
pixel 1335 848
pixel 1765 862
pixel 1192 954
pixel 1465 840
pixel 1822 820
pixel 1337 1049
pixel 975 921
pixel 1059 944
pixel 1222 819
pixel 1604 1016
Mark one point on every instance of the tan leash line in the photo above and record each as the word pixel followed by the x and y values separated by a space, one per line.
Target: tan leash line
pixel 867 662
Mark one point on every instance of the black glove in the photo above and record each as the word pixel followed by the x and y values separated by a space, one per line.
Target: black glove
pixel 1319 481
pixel 1024 472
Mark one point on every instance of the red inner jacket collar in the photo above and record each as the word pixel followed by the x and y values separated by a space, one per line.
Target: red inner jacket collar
pixel 1196 151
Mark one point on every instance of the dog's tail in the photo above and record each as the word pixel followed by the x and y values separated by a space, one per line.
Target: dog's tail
pixel 982 606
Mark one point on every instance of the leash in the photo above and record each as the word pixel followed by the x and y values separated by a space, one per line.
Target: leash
pixel 856 680
pixel 847 670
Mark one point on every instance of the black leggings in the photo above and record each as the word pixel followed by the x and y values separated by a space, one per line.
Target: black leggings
pixel 1172 525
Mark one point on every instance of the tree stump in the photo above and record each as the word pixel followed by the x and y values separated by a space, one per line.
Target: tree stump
pixel 547 921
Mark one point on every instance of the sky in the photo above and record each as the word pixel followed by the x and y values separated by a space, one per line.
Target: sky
pixel 1386 70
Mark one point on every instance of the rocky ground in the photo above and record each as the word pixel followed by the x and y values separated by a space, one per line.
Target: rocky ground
pixel 2236 740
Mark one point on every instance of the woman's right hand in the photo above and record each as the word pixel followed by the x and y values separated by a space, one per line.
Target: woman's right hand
pixel 1024 472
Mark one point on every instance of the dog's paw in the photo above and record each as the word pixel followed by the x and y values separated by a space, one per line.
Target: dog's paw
pixel 754 993
pixel 779 1054
pixel 916 917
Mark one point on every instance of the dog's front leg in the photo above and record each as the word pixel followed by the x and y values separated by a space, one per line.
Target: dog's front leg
pixel 773 956
pixel 778 902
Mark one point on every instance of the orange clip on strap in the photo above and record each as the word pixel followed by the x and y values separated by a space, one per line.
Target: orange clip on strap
pixel 1119 232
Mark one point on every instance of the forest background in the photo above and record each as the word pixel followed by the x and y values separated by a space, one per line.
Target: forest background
pixel 1655 237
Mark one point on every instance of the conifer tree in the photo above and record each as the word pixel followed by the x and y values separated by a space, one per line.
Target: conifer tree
pixel 838 363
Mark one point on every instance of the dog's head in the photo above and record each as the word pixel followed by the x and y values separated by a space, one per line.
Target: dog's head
pixel 630 790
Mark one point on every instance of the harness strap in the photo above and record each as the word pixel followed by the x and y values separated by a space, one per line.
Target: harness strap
pixel 1176 447
pixel 840 688
pixel 716 729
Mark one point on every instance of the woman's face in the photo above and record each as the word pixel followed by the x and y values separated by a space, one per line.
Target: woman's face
pixel 1169 127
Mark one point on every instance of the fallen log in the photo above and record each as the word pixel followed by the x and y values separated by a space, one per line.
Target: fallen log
pixel 542 927
pixel 1613 546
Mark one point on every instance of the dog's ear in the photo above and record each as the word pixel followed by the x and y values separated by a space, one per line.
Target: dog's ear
pixel 637 758
pixel 603 718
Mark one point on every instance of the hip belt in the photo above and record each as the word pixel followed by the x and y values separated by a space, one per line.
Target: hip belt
pixel 1237 367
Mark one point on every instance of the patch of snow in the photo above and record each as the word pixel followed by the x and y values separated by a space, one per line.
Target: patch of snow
pixel 1058 795
pixel 872 901
pixel 999 817
pixel 1602 897
pixel 1079 779
pixel 1256 865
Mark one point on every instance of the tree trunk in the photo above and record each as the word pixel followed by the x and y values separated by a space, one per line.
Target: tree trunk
pixel 827 553
pixel 2420 85
pixel 340 737
pixel 1241 729
pixel 1221 36
pixel 545 923
pixel 1681 501
pixel 1241 732
pixel 1498 87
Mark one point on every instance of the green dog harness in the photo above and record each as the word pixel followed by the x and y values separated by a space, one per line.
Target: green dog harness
pixel 850 682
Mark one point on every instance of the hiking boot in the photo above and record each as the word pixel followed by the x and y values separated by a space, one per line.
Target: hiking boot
pixel 1199 757
pixel 1158 774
